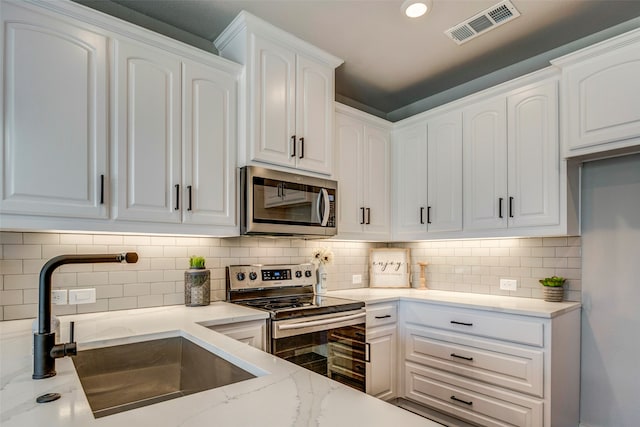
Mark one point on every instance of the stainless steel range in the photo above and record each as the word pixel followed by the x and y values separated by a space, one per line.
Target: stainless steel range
pixel 323 334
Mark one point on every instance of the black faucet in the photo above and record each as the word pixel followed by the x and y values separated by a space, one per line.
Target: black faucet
pixel 45 350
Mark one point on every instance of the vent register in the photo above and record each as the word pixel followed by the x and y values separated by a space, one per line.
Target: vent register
pixel 484 21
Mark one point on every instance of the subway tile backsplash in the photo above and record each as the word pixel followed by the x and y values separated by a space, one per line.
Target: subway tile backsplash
pixel 158 277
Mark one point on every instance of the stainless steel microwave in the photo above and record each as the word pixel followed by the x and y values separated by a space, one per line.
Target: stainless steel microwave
pixel 286 204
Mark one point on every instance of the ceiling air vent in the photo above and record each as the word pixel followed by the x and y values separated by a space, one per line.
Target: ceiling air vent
pixel 484 21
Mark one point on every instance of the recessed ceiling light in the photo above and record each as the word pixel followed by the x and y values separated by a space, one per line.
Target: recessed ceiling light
pixel 416 8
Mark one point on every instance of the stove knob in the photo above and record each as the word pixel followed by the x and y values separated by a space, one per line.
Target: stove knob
pixel 298 274
pixel 240 276
pixel 253 275
pixel 307 273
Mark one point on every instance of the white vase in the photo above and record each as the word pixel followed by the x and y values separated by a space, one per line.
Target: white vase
pixel 321 285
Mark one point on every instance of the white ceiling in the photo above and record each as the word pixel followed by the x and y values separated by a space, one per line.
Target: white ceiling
pixel 390 60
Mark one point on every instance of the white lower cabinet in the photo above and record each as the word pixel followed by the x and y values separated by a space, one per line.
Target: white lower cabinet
pixel 382 340
pixel 252 332
pixel 490 368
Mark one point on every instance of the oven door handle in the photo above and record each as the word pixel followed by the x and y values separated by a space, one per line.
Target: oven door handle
pixel 327 321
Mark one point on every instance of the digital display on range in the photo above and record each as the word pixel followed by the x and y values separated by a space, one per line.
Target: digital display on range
pixel 281 274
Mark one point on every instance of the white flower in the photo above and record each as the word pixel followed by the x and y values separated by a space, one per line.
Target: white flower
pixel 322 256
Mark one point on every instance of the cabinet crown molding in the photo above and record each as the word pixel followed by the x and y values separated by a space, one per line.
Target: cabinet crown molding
pixel 597 49
pixel 247 21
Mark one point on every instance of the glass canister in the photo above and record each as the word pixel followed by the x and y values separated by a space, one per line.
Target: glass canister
pixel 197 287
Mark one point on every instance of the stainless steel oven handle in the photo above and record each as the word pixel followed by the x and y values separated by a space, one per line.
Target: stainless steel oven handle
pixel 320 322
pixel 324 216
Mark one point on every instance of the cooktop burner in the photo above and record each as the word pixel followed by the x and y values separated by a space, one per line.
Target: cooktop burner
pixel 286 308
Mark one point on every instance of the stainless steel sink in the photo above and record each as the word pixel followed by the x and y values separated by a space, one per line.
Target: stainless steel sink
pixel 123 377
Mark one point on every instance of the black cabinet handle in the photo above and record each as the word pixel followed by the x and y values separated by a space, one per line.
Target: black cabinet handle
pixel 428 214
pixel 102 189
pixel 362 211
pixel 461 323
pixel 466 402
pixel 500 207
pixel 189 192
pixel 293 143
pixel 421 214
pixel 368 216
pixel 301 148
pixel 510 207
pixel 359 368
pixel 177 197
pixel 470 359
pixel 386 316
pixel 359 334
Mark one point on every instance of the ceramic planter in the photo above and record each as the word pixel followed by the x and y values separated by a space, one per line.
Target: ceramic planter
pixel 197 287
pixel 553 294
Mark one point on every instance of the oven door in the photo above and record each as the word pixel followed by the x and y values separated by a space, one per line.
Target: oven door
pixel 332 345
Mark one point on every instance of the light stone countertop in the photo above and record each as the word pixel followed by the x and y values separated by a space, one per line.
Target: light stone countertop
pixel 495 303
pixel 282 395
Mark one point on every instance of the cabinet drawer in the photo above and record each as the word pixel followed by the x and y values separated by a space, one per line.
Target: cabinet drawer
pixel 484 405
pixel 381 314
pixel 508 366
pixel 518 329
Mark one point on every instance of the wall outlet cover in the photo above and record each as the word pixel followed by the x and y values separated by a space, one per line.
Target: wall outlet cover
pixel 356 279
pixel 508 284
pixel 59 296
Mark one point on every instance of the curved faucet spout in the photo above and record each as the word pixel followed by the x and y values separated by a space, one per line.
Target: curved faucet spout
pixel 44 339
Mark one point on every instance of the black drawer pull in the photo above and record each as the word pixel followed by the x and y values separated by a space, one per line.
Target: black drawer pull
pixel 462 357
pixel 386 316
pixel 177 197
pixel 466 402
pixel 358 368
pixel 359 334
pixel 102 189
pixel 461 323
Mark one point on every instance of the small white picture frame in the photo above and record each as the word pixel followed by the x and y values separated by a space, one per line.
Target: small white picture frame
pixel 390 268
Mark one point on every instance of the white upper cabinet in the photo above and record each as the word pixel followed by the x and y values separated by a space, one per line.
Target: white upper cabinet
pixel 444 173
pixel 54 140
pixel 209 132
pixel 533 157
pixel 485 165
pixel 428 177
pixel 289 94
pixel 176 127
pixel 601 96
pixel 148 140
pixel 363 169
pixel 511 160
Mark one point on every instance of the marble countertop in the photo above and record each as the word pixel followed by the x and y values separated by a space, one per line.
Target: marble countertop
pixel 281 395
pixel 495 303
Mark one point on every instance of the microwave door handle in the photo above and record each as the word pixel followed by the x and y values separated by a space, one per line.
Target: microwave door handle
pixel 330 320
pixel 323 195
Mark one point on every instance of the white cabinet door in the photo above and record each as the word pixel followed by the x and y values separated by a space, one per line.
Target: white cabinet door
pixel 381 371
pixel 148 133
pixel 54 141
pixel 534 162
pixel 376 181
pixel 485 165
pixel 410 182
pixel 603 97
pixel 209 143
pixel 350 159
pixel 444 176
pixel 314 115
pixel 363 178
pixel 273 112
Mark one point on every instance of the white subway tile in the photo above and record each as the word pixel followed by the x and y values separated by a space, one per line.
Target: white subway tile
pixel 124 303
pixel 107 239
pixel 136 289
pixel 150 301
pixel 150 276
pixel 175 251
pixel 554 263
pixel 163 264
pixel 92 249
pixel 95 278
pixel 50 251
pixel 158 288
pixel 30 266
pixel 116 277
pixel 173 275
pixel 10 266
pixel 21 281
pixel 11 297
pixel 543 252
pixel 61 280
pixel 25 311
pixel 22 251
pixel 554 241
pixel 531 242
pixel 76 239
pixel 136 240
pixel 99 306
pixel 10 238
pixel 109 291
pixel 162 241
pixel 150 251
pixel 173 299
pixel 41 239
pixel 499 252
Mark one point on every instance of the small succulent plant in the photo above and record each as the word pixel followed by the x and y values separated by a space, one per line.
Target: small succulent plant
pixel 196 261
pixel 553 282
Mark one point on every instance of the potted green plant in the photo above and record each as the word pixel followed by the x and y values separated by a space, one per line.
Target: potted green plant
pixel 197 283
pixel 553 288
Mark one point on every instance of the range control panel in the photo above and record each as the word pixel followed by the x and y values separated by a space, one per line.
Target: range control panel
pixel 263 276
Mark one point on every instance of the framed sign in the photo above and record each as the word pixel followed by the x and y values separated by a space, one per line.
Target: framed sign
pixel 389 268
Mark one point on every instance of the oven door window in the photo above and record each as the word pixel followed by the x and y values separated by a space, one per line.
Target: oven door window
pixel 337 353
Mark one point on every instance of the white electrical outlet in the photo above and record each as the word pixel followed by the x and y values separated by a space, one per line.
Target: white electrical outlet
pixel 82 296
pixel 59 296
pixel 356 279
pixel 508 284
